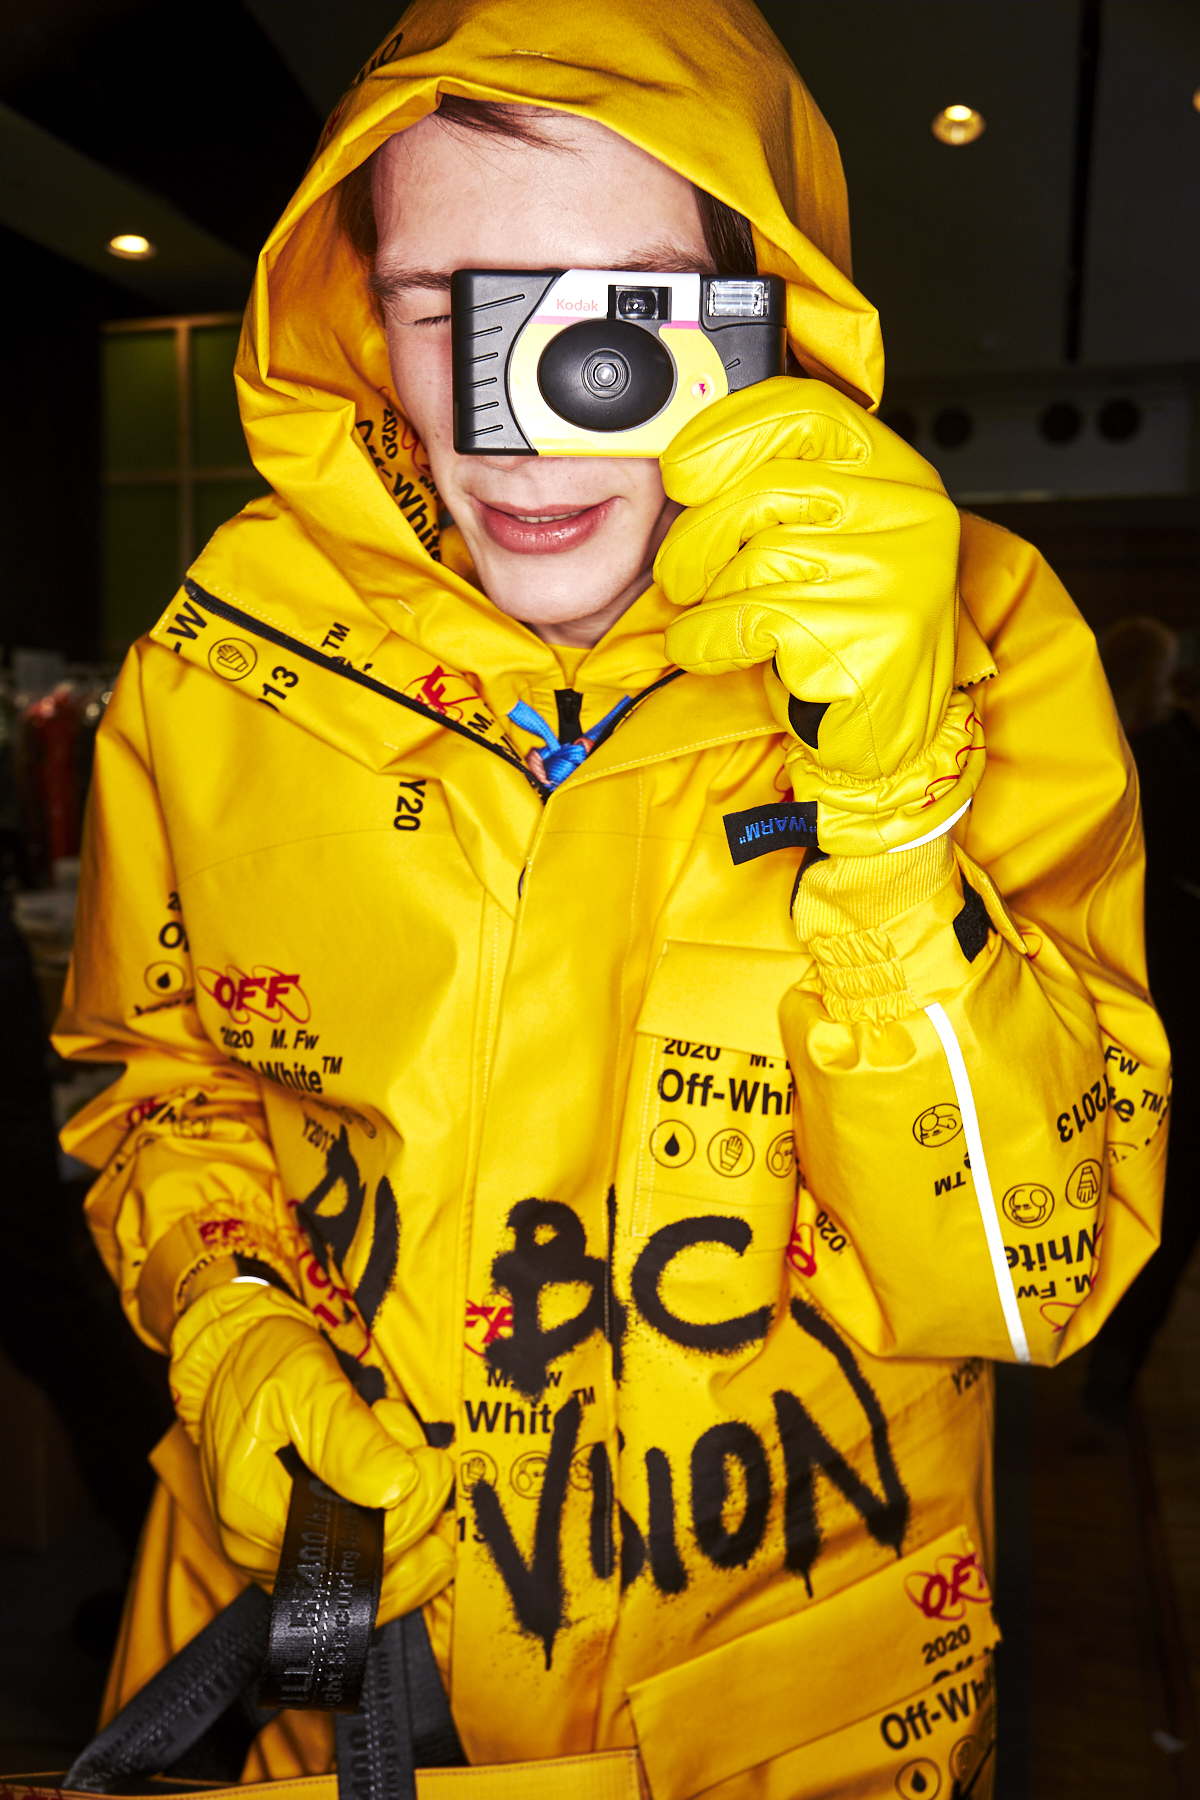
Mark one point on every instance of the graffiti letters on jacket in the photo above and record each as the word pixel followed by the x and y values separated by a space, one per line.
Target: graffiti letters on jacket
pixel 331 1232
pixel 725 1500
pixel 743 1489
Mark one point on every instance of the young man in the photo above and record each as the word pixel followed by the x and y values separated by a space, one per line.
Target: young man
pixel 457 1141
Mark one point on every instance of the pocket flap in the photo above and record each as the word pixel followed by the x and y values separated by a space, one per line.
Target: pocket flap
pixel 800 1679
pixel 722 994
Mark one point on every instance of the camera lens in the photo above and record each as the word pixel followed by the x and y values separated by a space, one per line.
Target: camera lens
pixel 637 303
pixel 606 374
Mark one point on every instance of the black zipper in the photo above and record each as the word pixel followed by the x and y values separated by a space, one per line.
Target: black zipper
pixel 662 682
pixel 336 665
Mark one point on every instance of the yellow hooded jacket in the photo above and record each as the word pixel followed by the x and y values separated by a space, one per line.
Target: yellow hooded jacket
pixel 505 1085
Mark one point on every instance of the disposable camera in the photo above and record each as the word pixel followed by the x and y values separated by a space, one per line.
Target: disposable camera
pixel 592 362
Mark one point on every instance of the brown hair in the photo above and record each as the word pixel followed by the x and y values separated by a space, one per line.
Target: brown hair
pixel 727 233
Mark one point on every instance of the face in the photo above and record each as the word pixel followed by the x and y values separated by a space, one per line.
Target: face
pixel 564 544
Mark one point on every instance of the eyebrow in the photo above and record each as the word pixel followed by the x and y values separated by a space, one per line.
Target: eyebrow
pixel 655 259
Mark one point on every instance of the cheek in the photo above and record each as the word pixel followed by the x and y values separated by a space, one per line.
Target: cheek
pixel 644 484
pixel 421 375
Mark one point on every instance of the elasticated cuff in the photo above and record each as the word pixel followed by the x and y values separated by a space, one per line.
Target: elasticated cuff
pixel 846 894
pixel 863 817
pixel 190 1246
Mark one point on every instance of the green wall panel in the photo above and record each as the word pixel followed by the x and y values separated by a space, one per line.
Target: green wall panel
pixel 218 441
pixel 140 403
pixel 141 559
pixel 217 501
pixel 144 520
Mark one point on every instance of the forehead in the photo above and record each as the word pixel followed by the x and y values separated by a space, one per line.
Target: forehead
pixel 450 199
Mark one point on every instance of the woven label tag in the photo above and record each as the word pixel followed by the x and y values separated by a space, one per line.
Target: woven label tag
pixel 789 824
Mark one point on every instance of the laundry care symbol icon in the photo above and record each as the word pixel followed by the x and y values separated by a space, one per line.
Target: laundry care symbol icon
pixel 731 1152
pixel 672 1143
pixel 1029 1204
pixel 781 1154
pixel 919 1780
pixel 1083 1184
pixel 937 1125
pixel 165 978
pixel 528 1473
pixel 232 658
pixel 476 1465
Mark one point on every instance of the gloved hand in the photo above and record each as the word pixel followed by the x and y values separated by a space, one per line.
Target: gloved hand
pixel 250 1372
pixel 816 537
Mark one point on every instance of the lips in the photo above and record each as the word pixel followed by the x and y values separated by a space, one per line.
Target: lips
pixel 544 531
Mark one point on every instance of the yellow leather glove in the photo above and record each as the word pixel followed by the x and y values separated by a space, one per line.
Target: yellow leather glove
pixel 250 1373
pixel 815 540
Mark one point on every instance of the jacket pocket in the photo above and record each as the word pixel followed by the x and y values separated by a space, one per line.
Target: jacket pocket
pixel 711 1097
pixel 884 1689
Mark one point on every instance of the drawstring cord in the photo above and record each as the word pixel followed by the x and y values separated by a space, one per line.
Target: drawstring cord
pixel 554 761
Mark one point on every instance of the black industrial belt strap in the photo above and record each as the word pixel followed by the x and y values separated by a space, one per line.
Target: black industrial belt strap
pixel 179 1704
pixel 326 1598
pixel 404 1722
pixel 312 1646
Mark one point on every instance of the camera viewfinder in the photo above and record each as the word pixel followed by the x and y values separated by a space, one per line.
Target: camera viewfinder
pixel 640 305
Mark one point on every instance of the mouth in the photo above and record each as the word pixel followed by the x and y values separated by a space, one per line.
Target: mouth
pixel 544 531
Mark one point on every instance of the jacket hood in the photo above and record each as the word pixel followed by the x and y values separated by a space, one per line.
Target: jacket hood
pixel 352 521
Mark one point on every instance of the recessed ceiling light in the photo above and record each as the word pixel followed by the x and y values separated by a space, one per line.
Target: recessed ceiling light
pixel 130 246
pixel 1196 99
pixel 958 125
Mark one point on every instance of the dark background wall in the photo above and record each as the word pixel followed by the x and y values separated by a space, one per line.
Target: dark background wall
pixel 190 104
pixel 50 314
pixel 1053 261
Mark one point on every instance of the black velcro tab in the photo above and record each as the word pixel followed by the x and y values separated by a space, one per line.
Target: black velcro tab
pixel 789 825
pixel 805 718
pixel 972 925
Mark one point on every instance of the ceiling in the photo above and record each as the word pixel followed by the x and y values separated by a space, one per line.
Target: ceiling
pixel 325 42
pixel 193 123
pixel 184 117
pixel 967 250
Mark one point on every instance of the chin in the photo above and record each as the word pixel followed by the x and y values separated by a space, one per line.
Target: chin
pixel 544 590
pixel 539 614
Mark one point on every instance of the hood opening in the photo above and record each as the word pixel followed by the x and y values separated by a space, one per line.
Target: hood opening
pixel 707 91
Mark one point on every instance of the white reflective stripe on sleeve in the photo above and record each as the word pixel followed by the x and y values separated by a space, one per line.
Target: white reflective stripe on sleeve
pixel 983 1184
pixel 938 831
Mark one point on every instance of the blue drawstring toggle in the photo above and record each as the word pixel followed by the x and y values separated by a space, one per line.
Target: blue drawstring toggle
pixel 559 760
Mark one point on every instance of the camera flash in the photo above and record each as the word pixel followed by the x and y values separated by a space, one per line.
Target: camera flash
pixel 737 299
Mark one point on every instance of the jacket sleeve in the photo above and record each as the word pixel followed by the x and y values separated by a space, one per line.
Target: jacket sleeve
pixel 981 1077
pixel 187 1173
